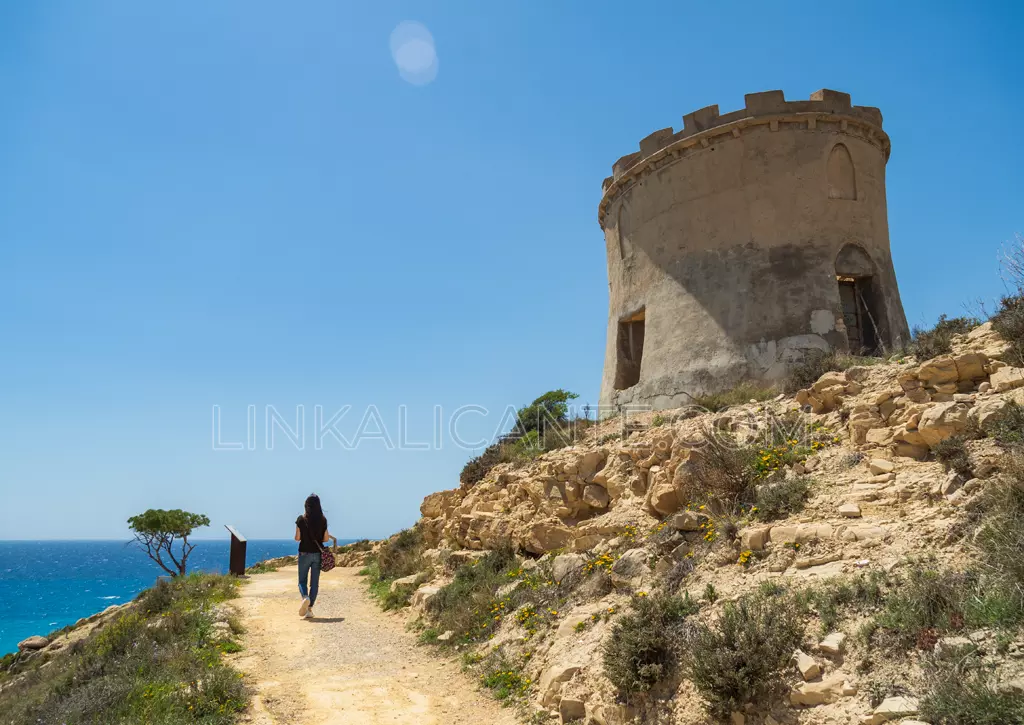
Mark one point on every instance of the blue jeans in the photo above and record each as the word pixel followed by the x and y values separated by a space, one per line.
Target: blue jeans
pixel 309 569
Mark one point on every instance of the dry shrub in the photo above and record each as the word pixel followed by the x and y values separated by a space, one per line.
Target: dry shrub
pixel 645 646
pixel 741 656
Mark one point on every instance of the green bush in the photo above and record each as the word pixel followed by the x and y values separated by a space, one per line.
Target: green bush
pixel 923 605
pixel 157 662
pixel 1009 323
pixel 926 344
pixel 779 498
pixel 952 454
pixel 645 646
pixel 1000 544
pixel 541 427
pixel 965 695
pixel 1008 430
pixel 741 656
pixel 720 470
pixel 834 598
pixel 468 605
pixel 401 555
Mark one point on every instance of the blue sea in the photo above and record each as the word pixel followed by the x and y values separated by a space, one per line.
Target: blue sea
pixel 46 585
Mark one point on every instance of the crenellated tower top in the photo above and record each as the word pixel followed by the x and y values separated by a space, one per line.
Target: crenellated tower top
pixel 704 127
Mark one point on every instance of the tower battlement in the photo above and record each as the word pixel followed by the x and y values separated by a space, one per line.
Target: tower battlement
pixel 705 126
pixel 745 243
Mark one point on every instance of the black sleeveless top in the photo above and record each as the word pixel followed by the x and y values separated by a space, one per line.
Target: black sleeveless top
pixel 308 545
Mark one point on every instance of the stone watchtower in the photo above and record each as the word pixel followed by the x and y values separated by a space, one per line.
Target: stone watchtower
pixel 745 242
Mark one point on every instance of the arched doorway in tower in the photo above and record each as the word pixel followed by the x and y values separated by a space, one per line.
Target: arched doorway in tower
pixel 860 296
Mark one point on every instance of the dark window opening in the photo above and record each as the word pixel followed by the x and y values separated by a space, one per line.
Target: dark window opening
pixel 862 301
pixel 858 299
pixel 630 345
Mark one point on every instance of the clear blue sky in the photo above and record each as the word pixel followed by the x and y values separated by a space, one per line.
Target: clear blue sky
pixel 240 203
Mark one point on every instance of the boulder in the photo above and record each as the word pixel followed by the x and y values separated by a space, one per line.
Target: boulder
pixel 828 380
pixel 941 421
pixel 800 533
pixel 544 536
pixel 833 644
pixel 880 466
pixel 890 709
pixel 661 495
pixel 938 371
pixel 408 583
pixel 805 664
pixel 33 643
pixel 438 504
pixel 754 538
pixel 552 678
pixel 571 709
pixel 567 564
pixel 970 366
pixel 850 511
pixel 822 692
pixel 630 570
pixel 685 521
pixel 989 412
pixel 595 496
pixel 1007 378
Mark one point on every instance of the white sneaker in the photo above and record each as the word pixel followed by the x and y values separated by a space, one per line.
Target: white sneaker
pixel 304 607
pixel 309 613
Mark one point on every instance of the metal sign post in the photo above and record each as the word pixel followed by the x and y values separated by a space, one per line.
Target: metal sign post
pixel 236 564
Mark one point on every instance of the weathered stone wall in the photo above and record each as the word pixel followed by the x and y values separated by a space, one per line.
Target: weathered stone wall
pixel 726 235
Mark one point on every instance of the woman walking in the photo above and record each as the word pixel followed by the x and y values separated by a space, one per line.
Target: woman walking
pixel 310 531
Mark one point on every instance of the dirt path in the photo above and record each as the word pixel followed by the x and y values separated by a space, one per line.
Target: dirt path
pixel 351 665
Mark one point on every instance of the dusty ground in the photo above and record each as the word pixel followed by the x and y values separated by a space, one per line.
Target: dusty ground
pixel 351 665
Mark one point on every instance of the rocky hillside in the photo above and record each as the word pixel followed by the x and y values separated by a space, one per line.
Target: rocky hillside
pixel 841 555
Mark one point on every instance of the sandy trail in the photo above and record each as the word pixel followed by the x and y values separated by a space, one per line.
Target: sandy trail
pixel 351 665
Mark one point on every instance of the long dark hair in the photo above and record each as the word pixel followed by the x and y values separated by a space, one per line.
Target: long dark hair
pixel 314 512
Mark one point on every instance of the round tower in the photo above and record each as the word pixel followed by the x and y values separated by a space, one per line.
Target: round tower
pixel 745 242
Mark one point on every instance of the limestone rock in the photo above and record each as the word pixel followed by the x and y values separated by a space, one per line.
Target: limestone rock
pixel 970 366
pixel 565 565
pixel 544 536
pixel 408 583
pixel 685 521
pixel 880 466
pixel 661 495
pixel 551 680
pixel 595 496
pixel 800 533
pixel 942 421
pixel 1007 378
pixel 890 709
pixel 754 538
pixel 33 643
pixel 828 380
pixel 863 532
pixel 989 412
pixel 850 510
pixel 570 709
pixel 938 370
pixel 806 665
pixel 825 691
pixel 630 570
pixel 833 644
